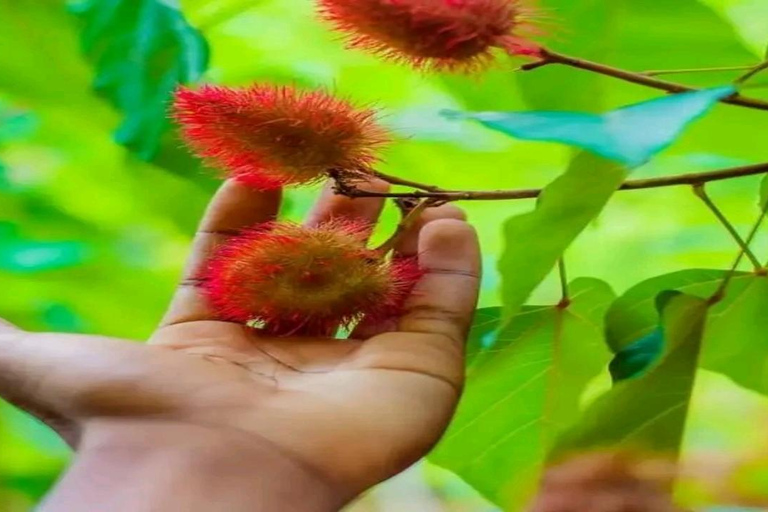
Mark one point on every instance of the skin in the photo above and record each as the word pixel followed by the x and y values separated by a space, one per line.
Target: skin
pixel 209 415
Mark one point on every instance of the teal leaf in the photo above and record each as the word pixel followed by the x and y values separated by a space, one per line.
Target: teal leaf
pixel 648 413
pixel 21 256
pixel 142 50
pixel 737 329
pixel 631 135
pixel 533 242
pixel 522 391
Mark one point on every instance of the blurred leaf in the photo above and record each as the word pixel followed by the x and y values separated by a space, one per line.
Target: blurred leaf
pixel 564 209
pixel 631 135
pixel 15 124
pixel 737 329
pixel 764 192
pixel 28 256
pixel 522 391
pixel 648 412
pixel 142 50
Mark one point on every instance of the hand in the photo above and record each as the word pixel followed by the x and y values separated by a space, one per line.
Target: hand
pixel 341 415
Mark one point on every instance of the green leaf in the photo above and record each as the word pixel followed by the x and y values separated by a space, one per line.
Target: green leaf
pixel 522 391
pixel 648 412
pixel 737 329
pixel 485 323
pixel 142 50
pixel 535 241
pixel 631 135
pixel 764 192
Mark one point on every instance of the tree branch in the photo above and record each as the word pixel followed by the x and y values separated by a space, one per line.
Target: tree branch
pixel 551 57
pixel 351 190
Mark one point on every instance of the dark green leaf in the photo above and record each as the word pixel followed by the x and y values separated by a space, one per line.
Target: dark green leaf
pixel 142 50
pixel 764 192
pixel 522 391
pixel 648 412
pixel 631 135
pixel 637 357
pixel 535 241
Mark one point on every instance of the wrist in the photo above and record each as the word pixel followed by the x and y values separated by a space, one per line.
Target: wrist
pixel 132 466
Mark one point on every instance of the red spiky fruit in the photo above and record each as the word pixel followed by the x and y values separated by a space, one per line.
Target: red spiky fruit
pixel 608 482
pixel 294 279
pixel 269 136
pixel 441 35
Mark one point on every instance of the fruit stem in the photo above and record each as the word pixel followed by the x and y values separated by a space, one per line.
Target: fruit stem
pixel 410 214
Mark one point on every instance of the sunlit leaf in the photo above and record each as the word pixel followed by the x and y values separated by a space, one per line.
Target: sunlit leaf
pixel 523 389
pixel 737 329
pixel 142 49
pixel 535 241
pixel 648 412
pixel 631 135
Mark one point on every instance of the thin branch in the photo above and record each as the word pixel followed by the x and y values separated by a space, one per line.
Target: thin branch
pixel 700 191
pixel 723 288
pixel 754 71
pixel 565 299
pixel 551 57
pixel 503 195
pixel 660 72
pixel 394 180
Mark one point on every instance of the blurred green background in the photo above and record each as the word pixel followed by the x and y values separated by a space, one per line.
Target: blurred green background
pixel 94 225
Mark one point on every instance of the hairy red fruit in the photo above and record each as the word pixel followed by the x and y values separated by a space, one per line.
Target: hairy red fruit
pixel 269 136
pixel 294 279
pixel 442 35
pixel 608 482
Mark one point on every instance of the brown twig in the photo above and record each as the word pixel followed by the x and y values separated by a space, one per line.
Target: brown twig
pixel 350 190
pixel 551 57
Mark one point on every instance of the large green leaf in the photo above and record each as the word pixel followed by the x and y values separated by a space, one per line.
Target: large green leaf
pixel 535 241
pixel 522 390
pixel 631 135
pixel 648 412
pixel 142 50
pixel 737 329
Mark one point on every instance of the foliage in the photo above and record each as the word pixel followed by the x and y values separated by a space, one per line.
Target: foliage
pixel 92 238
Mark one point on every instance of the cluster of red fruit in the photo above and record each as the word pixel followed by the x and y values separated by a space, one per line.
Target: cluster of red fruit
pixel 290 278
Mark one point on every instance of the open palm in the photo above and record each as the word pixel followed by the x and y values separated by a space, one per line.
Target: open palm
pixel 355 411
